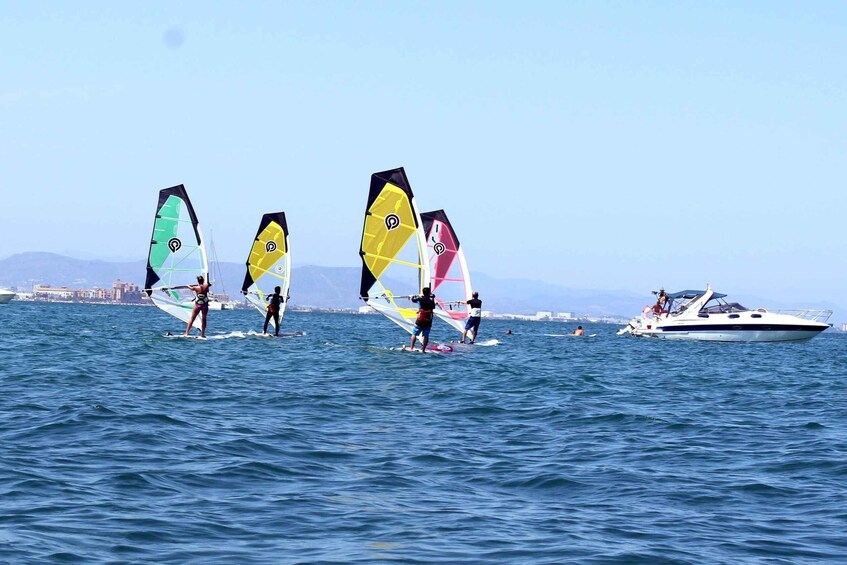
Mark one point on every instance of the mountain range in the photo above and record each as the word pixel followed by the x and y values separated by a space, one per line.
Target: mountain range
pixel 338 287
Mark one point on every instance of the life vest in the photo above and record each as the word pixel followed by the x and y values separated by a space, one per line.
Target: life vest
pixel 424 319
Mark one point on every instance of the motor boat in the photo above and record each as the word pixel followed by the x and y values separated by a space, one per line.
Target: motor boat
pixel 704 315
pixel 6 295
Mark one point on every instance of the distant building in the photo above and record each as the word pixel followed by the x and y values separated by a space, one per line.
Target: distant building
pixel 103 294
pixel 126 293
pixel 121 292
pixel 45 292
pixel 84 294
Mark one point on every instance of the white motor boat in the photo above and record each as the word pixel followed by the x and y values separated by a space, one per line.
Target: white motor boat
pixel 704 315
pixel 6 295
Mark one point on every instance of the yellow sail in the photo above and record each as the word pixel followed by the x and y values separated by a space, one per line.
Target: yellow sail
pixel 395 264
pixel 268 264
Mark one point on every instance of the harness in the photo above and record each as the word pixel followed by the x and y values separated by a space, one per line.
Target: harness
pixel 202 298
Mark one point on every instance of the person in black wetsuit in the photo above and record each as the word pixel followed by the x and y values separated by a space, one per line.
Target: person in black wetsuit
pixel 274 302
pixel 473 318
pixel 424 321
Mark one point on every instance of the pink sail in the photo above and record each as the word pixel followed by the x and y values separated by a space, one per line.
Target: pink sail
pixel 449 277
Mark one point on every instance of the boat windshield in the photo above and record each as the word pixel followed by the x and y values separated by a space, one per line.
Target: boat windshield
pixel 719 306
pixel 679 303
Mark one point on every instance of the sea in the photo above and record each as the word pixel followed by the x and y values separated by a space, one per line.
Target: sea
pixel 121 444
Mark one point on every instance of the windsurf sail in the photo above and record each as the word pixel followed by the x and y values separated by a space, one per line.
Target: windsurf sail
pixel 268 264
pixel 177 255
pixel 395 264
pixel 451 281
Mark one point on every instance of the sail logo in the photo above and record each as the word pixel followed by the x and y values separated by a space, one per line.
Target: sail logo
pixel 439 248
pixel 270 246
pixel 392 222
pixel 174 244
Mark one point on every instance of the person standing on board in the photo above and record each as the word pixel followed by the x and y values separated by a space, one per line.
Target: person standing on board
pixel 201 304
pixel 274 301
pixel 474 317
pixel 423 323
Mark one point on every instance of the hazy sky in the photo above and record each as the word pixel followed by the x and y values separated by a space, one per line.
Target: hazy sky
pixel 612 145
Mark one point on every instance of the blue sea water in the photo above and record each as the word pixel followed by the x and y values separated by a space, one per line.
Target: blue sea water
pixel 121 445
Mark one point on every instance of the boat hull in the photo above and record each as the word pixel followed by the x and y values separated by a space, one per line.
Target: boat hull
pixel 776 328
pixel 749 335
pixel 703 315
pixel 6 296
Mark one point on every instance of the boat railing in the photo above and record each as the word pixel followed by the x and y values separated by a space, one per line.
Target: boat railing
pixel 806 314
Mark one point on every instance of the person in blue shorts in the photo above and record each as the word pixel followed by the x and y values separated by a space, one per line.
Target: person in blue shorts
pixel 473 318
pixel 423 323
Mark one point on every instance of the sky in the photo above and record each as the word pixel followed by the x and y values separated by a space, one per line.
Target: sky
pixel 605 145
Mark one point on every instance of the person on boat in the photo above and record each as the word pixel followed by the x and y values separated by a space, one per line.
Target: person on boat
pixel 661 303
pixel 201 304
pixel 579 331
pixel 423 323
pixel 474 317
pixel 274 302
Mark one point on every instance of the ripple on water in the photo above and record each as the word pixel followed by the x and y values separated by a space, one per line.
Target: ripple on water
pixel 122 445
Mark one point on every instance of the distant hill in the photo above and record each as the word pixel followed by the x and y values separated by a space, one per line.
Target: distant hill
pixel 338 287
pixel 25 270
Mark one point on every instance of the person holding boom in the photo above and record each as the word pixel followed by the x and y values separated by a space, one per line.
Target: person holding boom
pixel 423 323
pixel 474 317
pixel 201 304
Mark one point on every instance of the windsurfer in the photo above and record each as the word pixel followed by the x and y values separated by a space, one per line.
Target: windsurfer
pixel 423 323
pixel 201 304
pixel 474 317
pixel 274 301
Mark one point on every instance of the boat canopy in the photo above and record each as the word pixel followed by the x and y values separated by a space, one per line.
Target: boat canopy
pixel 689 294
